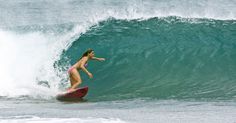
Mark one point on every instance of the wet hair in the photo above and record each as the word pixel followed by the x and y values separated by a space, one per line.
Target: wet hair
pixel 86 53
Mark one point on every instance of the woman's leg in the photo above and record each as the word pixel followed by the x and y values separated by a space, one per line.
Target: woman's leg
pixel 75 79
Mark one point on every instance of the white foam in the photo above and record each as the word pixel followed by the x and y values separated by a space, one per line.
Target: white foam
pixel 29 58
pixel 62 120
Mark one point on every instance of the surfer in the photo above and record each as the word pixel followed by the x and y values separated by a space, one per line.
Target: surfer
pixel 81 64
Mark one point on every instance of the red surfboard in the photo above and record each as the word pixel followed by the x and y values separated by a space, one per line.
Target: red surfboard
pixel 76 95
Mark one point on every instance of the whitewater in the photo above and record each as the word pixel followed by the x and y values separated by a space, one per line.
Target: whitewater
pixel 166 61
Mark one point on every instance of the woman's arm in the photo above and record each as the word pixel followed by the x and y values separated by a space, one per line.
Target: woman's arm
pixel 99 59
pixel 83 61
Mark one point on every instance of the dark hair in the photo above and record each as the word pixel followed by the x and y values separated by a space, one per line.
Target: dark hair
pixel 86 53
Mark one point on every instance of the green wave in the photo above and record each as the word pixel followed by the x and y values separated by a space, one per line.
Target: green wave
pixel 160 58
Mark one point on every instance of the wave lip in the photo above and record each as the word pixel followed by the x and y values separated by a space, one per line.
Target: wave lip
pixel 35 12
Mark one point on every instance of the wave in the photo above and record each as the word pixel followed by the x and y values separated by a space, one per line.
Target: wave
pixel 161 58
pixel 40 42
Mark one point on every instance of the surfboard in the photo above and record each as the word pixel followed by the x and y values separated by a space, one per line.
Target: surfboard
pixel 76 95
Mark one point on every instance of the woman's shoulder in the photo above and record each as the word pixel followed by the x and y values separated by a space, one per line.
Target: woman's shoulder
pixel 85 58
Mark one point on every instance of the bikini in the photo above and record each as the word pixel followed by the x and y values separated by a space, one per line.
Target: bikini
pixel 70 69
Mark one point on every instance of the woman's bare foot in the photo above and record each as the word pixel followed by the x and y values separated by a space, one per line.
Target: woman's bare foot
pixel 70 90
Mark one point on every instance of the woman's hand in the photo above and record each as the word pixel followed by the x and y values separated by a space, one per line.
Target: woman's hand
pixel 90 75
pixel 101 59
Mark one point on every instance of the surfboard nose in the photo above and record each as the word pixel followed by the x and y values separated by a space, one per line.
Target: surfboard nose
pixel 85 88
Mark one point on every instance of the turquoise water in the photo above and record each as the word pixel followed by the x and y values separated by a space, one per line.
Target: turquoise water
pixel 166 61
pixel 160 58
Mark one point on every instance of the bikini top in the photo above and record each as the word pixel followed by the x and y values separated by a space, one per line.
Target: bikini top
pixel 86 64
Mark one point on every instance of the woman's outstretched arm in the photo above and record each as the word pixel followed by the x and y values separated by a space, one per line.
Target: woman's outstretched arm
pixel 99 59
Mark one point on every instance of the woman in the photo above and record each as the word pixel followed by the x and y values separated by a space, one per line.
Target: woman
pixel 74 75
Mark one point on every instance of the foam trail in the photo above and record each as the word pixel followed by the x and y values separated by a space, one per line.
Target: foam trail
pixel 62 120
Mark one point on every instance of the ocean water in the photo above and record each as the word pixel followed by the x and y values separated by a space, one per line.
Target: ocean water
pixel 166 61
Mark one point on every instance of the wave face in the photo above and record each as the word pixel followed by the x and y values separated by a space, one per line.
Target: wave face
pixel 162 58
